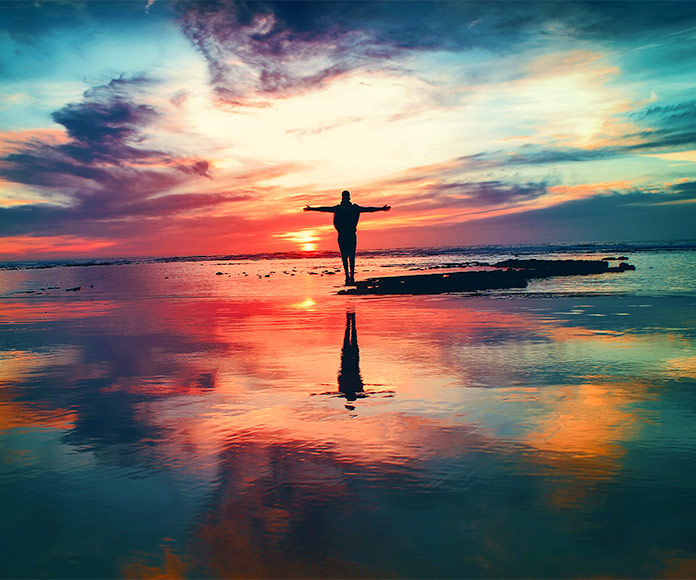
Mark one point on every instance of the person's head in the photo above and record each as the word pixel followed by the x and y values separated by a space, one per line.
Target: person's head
pixel 345 196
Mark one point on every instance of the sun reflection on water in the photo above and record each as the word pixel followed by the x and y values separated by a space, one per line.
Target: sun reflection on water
pixel 306 304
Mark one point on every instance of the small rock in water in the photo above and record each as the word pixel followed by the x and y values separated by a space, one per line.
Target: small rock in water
pixel 218 273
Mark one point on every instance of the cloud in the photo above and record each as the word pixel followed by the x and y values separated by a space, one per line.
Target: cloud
pixel 103 131
pixel 339 122
pixel 530 154
pixel 629 215
pixel 490 194
pixel 257 50
pixel 655 128
pixel 248 47
pixel 669 126
pixel 260 49
pixel 106 122
pixel 103 171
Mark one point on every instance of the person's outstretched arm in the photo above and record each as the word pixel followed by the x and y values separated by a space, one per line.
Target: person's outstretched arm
pixel 323 208
pixel 371 209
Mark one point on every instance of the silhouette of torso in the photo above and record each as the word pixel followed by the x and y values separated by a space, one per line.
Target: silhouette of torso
pixel 346 216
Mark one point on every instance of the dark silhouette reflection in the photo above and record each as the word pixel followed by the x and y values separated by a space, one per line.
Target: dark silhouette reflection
pixel 349 380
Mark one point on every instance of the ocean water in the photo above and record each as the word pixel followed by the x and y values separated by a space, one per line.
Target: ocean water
pixel 235 417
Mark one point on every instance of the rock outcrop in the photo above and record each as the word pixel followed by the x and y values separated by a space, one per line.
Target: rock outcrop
pixel 510 274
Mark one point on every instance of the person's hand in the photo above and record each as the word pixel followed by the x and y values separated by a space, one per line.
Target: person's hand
pixel 306 208
pixel 386 207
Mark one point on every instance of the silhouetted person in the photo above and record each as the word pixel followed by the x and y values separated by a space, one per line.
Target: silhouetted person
pixel 346 216
pixel 349 379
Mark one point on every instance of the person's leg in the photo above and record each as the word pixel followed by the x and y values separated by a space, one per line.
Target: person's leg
pixel 343 246
pixel 351 244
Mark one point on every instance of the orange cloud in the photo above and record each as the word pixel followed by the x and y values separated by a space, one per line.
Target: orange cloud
pixel 676 156
pixel 15 202
pixel 562 193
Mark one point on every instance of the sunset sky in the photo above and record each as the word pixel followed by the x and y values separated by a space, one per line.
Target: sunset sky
pixel 159 128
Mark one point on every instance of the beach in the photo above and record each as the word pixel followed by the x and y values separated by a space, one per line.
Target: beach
pixel 239 418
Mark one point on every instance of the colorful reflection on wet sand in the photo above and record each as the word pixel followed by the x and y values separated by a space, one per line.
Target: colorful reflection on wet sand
pixel 325 436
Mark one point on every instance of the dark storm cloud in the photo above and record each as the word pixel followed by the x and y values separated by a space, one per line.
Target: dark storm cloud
pixel 257 48
pixel 98 156
pixel 247 47
pixel 101 173
pixel 106 115
pixel 104 127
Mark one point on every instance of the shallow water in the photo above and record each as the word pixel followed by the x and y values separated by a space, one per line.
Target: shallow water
pixel 168 420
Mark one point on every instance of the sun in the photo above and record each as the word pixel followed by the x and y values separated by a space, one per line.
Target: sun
pixel 306 239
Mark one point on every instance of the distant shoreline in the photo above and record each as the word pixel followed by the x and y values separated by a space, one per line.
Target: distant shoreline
pixel 514 250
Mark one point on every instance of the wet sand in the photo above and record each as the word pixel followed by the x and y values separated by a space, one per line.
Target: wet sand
pixel 166 419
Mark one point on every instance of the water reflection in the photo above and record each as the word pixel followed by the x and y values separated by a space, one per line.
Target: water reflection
pixel 184 430
pixel 349 380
